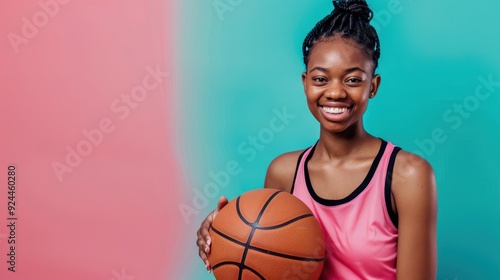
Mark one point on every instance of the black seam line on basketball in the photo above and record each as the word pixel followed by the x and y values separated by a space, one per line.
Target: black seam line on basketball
pixel 237 264
pixel 247 245
pixel 240 265
pixel 227 237
pixel 286 223
pixel 266 251
pixel 261 211
pixel 253 225
pixel 239 212
pixel 286 256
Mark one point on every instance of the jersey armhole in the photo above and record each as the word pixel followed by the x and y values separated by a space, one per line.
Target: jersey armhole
pixel 388 184
pixel 297 169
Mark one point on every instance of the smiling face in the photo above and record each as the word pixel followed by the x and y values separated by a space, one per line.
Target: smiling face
pixel 338 82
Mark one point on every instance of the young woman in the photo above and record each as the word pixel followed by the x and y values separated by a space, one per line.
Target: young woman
pixel 376 203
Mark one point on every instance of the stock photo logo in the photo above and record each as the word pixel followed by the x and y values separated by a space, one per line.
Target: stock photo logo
pixel 122 275
pixel 222 7
pixel 456 114
pixel 31 26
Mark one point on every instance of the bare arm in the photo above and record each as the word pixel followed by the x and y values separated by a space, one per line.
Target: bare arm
pixel 414 190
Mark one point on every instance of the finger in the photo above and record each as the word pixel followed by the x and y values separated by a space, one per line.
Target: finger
pixel 202 252
pixel 222 202
pixel 203 257
pixel 202 242
pixel 204 232
pixel 205 244
pixel 205 226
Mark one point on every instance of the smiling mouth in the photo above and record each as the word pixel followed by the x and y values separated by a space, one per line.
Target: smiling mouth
pixel 334 110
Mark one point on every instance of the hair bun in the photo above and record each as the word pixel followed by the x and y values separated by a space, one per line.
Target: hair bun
pixel 357 7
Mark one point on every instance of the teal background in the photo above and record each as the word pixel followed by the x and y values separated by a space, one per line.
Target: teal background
pixel 235 69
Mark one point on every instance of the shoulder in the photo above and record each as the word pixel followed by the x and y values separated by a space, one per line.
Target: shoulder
pixel 409 167
pixel 281 171
pixel 413 184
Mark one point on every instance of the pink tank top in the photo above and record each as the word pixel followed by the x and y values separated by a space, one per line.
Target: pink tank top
pixel 360 230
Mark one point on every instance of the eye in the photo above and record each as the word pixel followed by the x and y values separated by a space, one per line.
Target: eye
pixel 353 80
pixel 320 80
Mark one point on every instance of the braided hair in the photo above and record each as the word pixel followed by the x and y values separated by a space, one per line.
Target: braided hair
pixel 351 20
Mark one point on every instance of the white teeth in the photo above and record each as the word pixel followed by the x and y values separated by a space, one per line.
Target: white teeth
pixel 334 110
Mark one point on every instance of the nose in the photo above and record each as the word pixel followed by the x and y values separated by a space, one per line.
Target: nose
pixel 335 91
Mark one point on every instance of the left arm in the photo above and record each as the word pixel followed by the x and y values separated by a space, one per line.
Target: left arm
pixel 414 192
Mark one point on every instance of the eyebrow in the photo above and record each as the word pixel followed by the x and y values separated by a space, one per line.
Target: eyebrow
pixel 353 69
pixel 347 71
pixel 320 69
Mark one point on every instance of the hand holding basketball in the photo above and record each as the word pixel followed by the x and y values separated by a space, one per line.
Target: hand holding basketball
pixel 204 240
pixel 266 234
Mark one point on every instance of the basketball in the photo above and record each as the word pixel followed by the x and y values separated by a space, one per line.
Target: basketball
pixel 266 234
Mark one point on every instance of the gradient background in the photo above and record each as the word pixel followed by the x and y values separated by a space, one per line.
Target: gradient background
pixel 130 208
pixel 240 66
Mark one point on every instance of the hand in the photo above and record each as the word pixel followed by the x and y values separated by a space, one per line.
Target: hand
pixel 204 241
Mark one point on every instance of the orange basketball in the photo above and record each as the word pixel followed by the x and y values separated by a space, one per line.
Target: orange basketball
pixel 266 234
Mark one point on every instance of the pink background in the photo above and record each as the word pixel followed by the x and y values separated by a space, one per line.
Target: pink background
pixel 71 67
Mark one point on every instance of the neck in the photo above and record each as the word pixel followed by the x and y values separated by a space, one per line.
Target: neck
pixel 344 144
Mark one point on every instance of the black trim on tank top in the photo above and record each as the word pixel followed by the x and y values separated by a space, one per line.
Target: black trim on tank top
pixel 388 184
pixel 356 192
pixel 297 169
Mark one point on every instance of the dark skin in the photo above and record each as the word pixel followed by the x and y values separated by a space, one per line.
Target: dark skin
pixel 338 83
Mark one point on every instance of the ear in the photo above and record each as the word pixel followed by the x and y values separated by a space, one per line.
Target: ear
pixel 304 79
pixel 375 83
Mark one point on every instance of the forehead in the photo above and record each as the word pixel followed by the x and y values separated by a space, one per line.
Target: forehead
pixel 339 53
